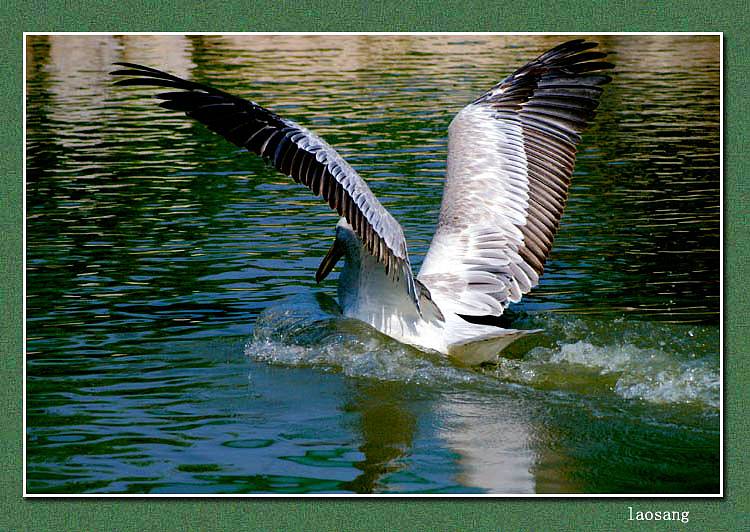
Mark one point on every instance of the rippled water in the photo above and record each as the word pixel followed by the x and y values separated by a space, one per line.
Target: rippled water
pixel 177 342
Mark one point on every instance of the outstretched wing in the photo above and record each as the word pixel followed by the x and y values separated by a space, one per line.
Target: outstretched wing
pixel 294 151
pixel 511 154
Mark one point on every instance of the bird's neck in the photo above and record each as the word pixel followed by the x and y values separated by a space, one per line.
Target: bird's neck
pixel 351 278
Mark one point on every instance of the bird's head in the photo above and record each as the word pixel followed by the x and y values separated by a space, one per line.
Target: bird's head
pixel 346 244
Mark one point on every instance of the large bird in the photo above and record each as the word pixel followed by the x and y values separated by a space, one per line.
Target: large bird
pixel 511 154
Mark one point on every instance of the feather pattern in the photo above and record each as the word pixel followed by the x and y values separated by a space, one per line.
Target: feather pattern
pixel 294 151
pixel 511 154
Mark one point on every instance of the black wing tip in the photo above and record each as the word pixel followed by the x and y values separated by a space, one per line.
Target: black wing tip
pixel 575 53
pixel 606 78
pixel 568 59
pixel 129 65
pixel 134 74
pixel 573 46
pixel 130 69
pixel 137 67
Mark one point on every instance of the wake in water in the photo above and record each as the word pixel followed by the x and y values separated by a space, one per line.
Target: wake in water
pixel 636 360
pixel 302 331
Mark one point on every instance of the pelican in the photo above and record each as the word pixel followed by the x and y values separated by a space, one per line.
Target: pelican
pixel 511 154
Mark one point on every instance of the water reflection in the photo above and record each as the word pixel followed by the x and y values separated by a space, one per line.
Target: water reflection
pixel 387 428
pixel 545 423
pixel 492 442
pixel 154 246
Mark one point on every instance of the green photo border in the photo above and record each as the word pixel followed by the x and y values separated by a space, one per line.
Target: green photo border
pixel 732 512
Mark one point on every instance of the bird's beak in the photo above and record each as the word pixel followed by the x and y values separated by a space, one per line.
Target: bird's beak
pixel 329 261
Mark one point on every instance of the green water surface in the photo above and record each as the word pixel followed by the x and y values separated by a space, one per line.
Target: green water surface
pixel 177 341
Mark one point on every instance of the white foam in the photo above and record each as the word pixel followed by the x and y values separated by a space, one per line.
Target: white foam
pixel 649 374
pixel 333 343
pixel 653 362
pixel 672 385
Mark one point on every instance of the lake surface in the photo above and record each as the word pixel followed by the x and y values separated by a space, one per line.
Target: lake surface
pixel 177 341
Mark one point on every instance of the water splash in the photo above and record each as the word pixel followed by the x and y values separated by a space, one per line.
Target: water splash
pixel 652 362
pixel 302 332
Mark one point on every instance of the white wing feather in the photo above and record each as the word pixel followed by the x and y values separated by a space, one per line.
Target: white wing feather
pixel 510 157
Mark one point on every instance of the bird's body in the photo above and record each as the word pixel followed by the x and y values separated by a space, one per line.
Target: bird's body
pixel 511 154
pixel 367 294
